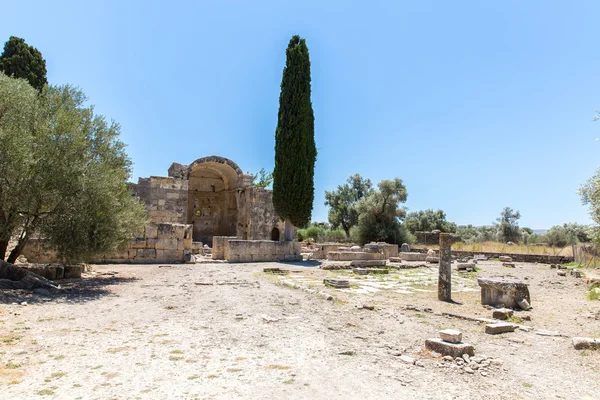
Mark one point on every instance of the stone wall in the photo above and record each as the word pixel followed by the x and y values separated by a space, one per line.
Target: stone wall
pixel 261 250
pixel 257 216
pixel 531 258
pixel 354 255
pixel 218 249
pixel 165 198
pixel 161 243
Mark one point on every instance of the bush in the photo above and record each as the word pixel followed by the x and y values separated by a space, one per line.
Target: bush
pixel 321 233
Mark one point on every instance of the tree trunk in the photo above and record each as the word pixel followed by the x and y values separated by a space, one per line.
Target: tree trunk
pixel 13 277
pixel 288 231
pixel 3 247
pixel 12 257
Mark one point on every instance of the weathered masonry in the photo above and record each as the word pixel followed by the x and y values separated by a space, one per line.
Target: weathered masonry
pixel 194 203
pixel 214 196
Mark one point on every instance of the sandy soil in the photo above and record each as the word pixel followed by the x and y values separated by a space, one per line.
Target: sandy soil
pixel 228 331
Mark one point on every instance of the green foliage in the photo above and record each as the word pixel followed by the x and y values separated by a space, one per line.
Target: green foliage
pixel 321 232
pixel 565 234
pixel 428 220
pixel 264 179
pixel 295 149
pixel 472 234
pixel 19 60
pixel 64 174
pixel 380 214
pixel 343 201
pixel 508 225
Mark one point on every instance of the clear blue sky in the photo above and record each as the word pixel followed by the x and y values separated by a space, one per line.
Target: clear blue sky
pixel 476 105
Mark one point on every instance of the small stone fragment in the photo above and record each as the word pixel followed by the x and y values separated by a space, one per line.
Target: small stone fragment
pixel 469 370
pixel 502 313
pixel 449 349
pixel 494 329
pixel 561 273
pixel 581 343
pixel 466 358
pixel 524 304
pixel 508 265
pixel 451 335
pixel 505 259
pixel 407 359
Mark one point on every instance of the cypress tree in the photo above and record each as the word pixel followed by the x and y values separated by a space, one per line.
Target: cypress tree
pixel 19 60
pixel 295 149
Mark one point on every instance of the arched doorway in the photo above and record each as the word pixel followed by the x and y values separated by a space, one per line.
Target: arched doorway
pixel 212 206
pixel 275 234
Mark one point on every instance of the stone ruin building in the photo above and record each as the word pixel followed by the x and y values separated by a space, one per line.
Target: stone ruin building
pixel 197 204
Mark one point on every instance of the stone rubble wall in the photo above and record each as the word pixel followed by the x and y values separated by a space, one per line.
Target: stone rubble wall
pixel 261 250
pixel 530 258
pixel 164 197
pixel 388 250
pixel 161 243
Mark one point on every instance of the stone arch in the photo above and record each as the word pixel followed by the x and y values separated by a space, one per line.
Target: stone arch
pixel 212 206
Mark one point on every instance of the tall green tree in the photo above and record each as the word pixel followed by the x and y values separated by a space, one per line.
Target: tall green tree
pixel 381 214
pixel 63 171
pixel 342 202
pixel 295 148
pixel 20 60
pixel 508 225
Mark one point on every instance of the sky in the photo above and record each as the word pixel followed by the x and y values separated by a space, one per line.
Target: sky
pixel 475 105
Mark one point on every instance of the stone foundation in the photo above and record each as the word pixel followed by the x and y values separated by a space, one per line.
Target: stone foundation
pixel 261 250
pixel 353 255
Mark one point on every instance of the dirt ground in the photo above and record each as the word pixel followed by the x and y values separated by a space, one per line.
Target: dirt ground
pixel 229 331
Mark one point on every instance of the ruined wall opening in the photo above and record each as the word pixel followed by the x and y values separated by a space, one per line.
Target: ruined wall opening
pixel 275 234
pixel 212 204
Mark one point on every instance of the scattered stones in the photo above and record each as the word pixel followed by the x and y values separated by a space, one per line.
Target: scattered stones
pixel 449 349
pixel 337 283
pixel 575 274
pixel 370 307
pixel 502 327
pixel 469 370
pixel 451 335
pixel 582 343
pixel 508 265
pixel 505 259
pixel 561 273
pixel 502 313
pixel 500 291
pixel 347 353
pixel 553 266
pixel 562 266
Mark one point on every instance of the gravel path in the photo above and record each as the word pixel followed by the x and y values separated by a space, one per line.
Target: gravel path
pixel 225 331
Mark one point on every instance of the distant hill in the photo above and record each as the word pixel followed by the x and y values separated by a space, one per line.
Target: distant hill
pixel 540 231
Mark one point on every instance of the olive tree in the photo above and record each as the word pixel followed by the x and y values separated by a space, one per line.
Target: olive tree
pixel 64 173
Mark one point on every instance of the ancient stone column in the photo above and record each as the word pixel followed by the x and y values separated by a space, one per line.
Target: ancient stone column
pixel 445 277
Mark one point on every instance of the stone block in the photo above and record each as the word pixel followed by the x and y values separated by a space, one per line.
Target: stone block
pixel 73 271
pixel 336 283
pixel 146 253
pixel 508 265
pixel 449 349
pixel 451 335
pixel 500 291
pixel 464 266
pixel 360 271
pixel 413 256
pixel 166 231
pixel 433 260
pixel 501 327
pixel 169 256
pixel 151 231
pixel 166 244
pixel 138 243
pixel 395 259
pixel 151 243
pixel 502 313
pixel 505 259
pixel 368 263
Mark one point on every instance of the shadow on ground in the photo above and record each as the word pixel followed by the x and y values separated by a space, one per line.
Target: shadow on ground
pixel 72 290
pixel 305 263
